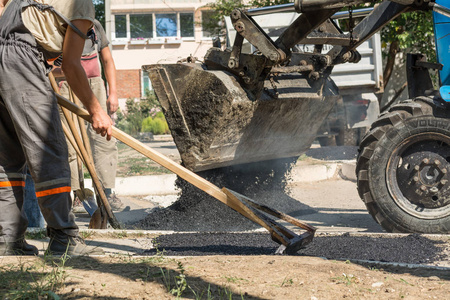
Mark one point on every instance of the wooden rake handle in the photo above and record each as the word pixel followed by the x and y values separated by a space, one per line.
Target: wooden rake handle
pixel 88 161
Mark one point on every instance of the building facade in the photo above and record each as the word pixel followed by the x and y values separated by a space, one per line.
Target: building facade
pixel 144 32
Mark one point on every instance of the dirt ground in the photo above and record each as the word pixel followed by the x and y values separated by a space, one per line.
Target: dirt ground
pixel 233 277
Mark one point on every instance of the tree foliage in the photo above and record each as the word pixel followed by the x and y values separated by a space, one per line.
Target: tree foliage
pixel 130 121
pixel 215 24
pixel 99 6
pixel 262 3
pixel 413 30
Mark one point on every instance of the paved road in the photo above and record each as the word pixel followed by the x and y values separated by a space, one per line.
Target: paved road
pixel 336 206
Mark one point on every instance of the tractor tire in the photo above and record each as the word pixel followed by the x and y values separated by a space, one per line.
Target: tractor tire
pixel 326 141
pixel 350 136
pixel 403 168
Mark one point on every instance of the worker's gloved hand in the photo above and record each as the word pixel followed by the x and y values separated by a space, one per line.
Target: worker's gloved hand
pixel 102 123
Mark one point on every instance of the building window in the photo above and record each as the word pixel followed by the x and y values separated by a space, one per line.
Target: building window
pixel 166 25
pixel 155 26
pixel 187 25
pixel 121 26
pixel 141 26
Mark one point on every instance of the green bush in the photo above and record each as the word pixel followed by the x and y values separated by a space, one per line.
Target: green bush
pixel 131 121
pixel 156 125
pixel 147 124
pixel 160 116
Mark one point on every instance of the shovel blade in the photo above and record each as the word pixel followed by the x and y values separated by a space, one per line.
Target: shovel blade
pixel 87 198
pixel 98 220
pixel 295 244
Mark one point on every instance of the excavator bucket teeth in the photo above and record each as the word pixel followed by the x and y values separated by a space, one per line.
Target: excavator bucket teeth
pixel 215 124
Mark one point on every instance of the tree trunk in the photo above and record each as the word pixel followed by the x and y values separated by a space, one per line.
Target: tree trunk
pixel 394 48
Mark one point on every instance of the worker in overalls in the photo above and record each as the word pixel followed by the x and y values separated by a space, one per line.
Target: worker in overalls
pixel 32 32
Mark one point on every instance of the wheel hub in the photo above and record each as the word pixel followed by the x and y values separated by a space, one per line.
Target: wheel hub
pixel 418 176
pixel 429 183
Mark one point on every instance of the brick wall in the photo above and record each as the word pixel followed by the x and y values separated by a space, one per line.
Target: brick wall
pixel 128 83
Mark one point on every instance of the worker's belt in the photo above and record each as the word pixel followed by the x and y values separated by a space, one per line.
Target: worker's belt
pixel 91 65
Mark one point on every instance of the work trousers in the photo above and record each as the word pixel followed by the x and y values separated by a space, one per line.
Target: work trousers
pixel 31 134
pixel 104 152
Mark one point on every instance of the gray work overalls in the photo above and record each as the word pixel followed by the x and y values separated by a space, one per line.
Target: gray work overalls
pixel 30 132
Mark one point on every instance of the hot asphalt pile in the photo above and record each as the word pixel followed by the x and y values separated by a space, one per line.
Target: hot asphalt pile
pixel 214 222
pixel 196 211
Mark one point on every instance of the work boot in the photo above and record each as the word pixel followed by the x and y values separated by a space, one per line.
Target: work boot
pixel 20 247
pixel 114 202
pixel 61 243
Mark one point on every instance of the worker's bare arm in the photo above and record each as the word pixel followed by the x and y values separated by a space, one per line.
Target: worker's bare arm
pixel 2 5
pixel 76 78
pixel 110 73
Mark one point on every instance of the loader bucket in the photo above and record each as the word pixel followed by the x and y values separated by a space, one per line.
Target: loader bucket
pixel 215 124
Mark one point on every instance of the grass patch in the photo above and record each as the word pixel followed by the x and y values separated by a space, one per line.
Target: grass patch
pixel 177 284
pixel 303 157
pixel 347 279
pixel 34 280
pixel 287 282
pixel 86 234
pixel 135 166
pixel 233 279
pixel 36 235
pixel 120 234
pixel 121 146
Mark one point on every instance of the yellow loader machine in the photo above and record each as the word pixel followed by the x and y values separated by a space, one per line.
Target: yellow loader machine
pixel 237 108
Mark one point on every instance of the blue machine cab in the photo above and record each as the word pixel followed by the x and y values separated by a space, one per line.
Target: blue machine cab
pixel 441 17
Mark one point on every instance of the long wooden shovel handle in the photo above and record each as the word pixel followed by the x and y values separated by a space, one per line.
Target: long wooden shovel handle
pixel 279 232
pixel 81 124
pixel 80 163
pixel 72 141
pixel 184 173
